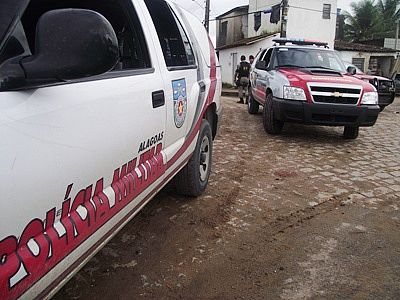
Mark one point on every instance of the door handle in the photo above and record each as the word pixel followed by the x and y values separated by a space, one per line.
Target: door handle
pixel 158 99
pixel 202 87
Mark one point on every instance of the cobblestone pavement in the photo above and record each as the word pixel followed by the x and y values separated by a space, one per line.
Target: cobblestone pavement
pixel 303 215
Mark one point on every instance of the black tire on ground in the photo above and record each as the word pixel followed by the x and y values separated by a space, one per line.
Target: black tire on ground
pixel 350 133
pixel 252 105
pixel 271 125
pixel 192 180
pixel 381 107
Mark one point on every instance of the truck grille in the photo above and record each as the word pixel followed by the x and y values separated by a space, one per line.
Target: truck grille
pixel 335 93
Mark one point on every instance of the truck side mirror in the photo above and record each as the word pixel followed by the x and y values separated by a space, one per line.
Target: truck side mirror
pixel 351 70
pixel 261 65
pixel 71 44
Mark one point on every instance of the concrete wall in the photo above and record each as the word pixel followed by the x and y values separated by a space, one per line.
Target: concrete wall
pixel 266 26
pixel 305 20
pixel 226 57
pixel 236 29
pixel 386 60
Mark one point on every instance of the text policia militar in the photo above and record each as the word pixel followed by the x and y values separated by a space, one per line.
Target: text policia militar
pixel 43 244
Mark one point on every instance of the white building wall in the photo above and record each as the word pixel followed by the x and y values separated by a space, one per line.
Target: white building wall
pixel 266 26
pixel 305 20
pixel 226 56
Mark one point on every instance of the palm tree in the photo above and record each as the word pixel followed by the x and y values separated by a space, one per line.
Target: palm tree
pixel 364 23
pixel 389 11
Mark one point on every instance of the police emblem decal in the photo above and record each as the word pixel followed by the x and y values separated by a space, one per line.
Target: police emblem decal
pixel 180 101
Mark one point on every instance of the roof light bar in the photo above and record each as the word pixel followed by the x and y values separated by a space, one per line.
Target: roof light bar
pixel 303 42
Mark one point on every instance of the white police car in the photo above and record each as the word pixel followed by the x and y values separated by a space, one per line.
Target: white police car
pixel 101 104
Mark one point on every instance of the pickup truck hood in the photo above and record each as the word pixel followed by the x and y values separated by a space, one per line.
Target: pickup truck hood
pixel 300 78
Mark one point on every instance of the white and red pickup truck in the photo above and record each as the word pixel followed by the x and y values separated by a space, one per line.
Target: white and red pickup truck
pixel 102 103
pixel 302 81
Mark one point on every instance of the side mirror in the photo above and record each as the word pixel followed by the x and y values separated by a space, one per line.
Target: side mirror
pixel 351 70
pixel 261 65
pixel 71 44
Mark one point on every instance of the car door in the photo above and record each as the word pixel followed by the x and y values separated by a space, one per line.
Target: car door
pixel 78 158
pixel 262 76
pixel 180 72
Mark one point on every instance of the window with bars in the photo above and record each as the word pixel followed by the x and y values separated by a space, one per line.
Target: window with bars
pixel 326 11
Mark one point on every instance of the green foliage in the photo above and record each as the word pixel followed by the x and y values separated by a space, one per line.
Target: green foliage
pixel 371 19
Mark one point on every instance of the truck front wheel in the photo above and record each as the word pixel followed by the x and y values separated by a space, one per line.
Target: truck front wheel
pixel 350 133
pixel 271 124
pixel 192 180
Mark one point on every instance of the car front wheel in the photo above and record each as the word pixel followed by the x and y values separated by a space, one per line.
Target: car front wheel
pixel 192 180
pixel 271 124
pixel 350 133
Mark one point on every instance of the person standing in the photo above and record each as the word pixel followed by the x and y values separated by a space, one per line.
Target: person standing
pixel 242 75
pixel 251 59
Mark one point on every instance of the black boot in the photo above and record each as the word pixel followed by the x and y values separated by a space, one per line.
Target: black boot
pixel 240 101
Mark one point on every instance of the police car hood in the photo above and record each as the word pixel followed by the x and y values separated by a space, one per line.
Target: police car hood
pixel 300 77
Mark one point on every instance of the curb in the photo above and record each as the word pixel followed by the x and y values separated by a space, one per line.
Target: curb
pixel 230 93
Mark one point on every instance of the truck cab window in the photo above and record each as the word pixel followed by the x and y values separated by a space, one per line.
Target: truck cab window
pixel 173 39
pixel 132 47
pixel 16 45
pixel 267 57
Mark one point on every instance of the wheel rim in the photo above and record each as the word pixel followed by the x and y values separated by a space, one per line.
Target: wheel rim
pixel 204 158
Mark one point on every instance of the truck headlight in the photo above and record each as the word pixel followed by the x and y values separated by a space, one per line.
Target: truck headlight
pixel 370 98
pixel 294 93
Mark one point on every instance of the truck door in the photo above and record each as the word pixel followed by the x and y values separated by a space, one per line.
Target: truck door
pixel 180 73
pixel 62 143
pixel 262 77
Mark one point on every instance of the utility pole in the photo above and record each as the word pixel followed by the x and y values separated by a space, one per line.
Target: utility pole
pixel 207 17
pixel 397 35
pixel 284 6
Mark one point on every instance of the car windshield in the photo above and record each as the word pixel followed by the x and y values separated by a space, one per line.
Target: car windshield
pixel 308 58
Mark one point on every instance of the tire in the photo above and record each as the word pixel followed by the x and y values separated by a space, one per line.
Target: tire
pixel 350 133
pixel 381 108
pixel 271 125
pixel 192 180
pixel 252 105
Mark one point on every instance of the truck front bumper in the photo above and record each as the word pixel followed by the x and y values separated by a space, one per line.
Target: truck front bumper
pixel 325 114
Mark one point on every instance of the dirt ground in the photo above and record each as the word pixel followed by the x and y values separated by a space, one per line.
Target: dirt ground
pixel 304 215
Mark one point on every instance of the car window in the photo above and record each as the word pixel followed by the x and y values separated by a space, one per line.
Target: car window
pixel 267 57
pixel 173 39
pixel 260 56
pixel 16 45
pixel 132 47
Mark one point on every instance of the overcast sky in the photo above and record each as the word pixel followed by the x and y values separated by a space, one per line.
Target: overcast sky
pixel 218 7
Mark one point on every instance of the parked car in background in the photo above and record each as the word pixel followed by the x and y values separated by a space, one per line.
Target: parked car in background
pixel 396 79
pixel 102 103
pixel 302 81
pixel 384 86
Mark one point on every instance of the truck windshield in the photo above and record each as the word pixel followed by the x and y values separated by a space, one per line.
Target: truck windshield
pixel 308 58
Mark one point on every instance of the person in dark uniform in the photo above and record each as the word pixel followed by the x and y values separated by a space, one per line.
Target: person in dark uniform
pixel 242 75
